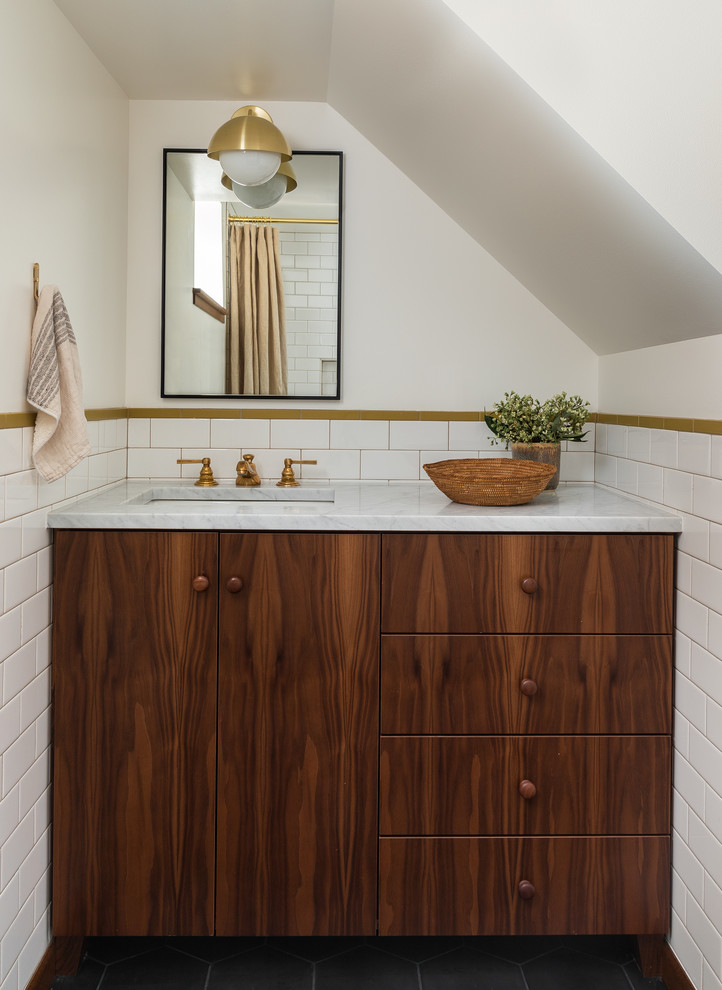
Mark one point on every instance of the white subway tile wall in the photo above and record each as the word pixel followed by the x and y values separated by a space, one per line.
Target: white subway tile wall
pixel 309 262
pixel 25 605
pixel 346 449
pixel 677 470
pixel 682 471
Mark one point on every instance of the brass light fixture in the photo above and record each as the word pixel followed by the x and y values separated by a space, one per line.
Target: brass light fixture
pixel 267 193
pixel 249 147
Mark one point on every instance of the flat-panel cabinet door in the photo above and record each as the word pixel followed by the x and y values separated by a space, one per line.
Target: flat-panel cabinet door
pixel 134 672
pixel 297 734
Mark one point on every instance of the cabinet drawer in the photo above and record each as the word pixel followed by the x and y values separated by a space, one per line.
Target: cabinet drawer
pixel 528 785
pixel 544 583
pixel 531 684
pixel 470 886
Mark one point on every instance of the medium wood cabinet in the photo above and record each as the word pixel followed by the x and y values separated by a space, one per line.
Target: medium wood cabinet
pixel 218 761
pixel 168 644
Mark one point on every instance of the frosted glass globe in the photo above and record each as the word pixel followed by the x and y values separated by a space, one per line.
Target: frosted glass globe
pixel 263 196
pixel 250 168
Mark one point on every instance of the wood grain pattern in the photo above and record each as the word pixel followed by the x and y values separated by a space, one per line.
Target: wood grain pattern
pixel 469 886
pixel 472 684
pixel 134 669
pixel 471 583
pixel 298 735
pixel 469 785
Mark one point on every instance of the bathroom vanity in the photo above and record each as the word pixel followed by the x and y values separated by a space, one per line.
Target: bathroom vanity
pixel 384 714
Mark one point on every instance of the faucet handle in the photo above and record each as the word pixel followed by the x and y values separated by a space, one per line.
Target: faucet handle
pixel 288 478
pixel 206 479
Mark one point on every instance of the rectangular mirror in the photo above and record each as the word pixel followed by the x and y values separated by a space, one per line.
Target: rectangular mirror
pixel 227 330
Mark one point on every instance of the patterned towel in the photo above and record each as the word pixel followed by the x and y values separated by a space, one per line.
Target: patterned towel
pixel 60 440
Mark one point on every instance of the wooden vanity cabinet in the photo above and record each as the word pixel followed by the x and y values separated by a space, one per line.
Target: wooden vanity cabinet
pixel 218 767
pixel 525 759
pixel 174 649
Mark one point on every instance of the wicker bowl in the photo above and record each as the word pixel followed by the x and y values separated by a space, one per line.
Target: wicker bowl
pixel 490 480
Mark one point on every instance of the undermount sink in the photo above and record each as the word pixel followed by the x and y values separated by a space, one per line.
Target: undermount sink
pixel 231 493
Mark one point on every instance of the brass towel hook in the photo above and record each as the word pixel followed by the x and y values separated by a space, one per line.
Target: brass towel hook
pixel 36 280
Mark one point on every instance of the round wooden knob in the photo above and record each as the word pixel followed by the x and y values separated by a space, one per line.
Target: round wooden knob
pixel 526 890
pixel 234 585
pixel 201 583
pixel 529 687
pixel 529 585
pixel 527 789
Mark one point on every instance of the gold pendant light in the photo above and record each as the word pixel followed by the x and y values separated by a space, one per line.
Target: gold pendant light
pixel 249 147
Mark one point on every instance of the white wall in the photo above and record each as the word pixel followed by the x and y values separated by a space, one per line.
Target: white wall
pixel 639 81
pixel 63 173
pixel 64 179
pixel 430 320
pixel 682 379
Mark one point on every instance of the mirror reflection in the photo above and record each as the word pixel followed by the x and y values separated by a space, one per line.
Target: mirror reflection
pixel 251 297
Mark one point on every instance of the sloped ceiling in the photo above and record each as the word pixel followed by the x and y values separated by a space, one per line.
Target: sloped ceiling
pixel 436 100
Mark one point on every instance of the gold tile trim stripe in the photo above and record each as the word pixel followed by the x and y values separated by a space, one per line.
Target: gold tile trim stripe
pixel 451 417
pixel 17 420
pixel 163 412
pixel 334 414
pixel 713 426
pixel 11 421
pixel 95 415
pixel 681 424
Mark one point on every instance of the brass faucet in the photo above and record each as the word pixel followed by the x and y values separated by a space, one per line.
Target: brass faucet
pixel 288 479
pixel 206 479
pixel 246 473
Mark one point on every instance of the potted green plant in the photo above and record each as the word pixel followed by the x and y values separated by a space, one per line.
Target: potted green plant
pixel 536 429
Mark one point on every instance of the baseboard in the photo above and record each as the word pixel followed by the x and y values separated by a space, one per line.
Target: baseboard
pixel 672 973
pixel 62 957
pixel 44 974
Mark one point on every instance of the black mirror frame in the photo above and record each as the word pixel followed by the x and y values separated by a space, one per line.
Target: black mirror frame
pixel 236 396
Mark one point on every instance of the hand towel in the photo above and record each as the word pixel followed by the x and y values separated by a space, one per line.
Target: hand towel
pixel 60 440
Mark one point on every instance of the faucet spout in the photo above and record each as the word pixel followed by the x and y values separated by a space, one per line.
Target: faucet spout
pixel 246 473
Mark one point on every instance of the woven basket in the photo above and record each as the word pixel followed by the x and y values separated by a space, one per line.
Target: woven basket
pixel 490 480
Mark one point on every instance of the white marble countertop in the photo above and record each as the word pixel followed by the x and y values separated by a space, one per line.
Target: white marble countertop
pixel 365 506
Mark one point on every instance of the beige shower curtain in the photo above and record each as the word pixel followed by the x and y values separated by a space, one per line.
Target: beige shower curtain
pixel 256 323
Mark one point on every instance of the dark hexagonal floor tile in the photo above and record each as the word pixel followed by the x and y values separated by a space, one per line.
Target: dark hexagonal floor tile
pixel 567 969
pixel 212 948
pixel 513 948
pixel 619 948
pixel 264 968
pixel 159 969
pixel 315 947
pixel 466 969
pixel 113 948
pixel 366 968
pixel 415 948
